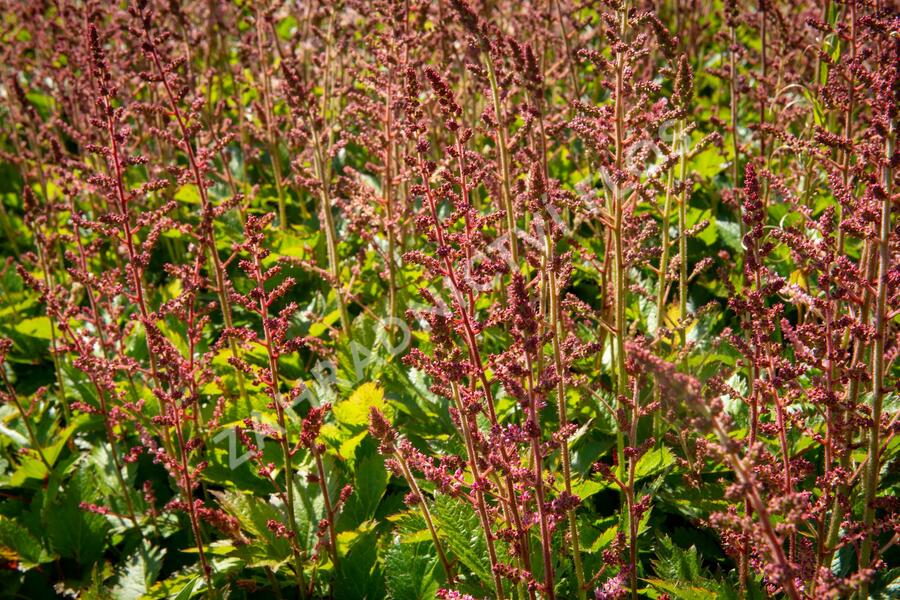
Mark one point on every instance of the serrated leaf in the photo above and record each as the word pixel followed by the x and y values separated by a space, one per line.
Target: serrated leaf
pixel 253 514
pixel 75 532
pixel 18 545
pixel 653 462
pixel 371 480
pixel 459 527
pixel 188 193
pixel 189 589
pixel 675 563
pixel 31 468
pixel 409 571
pixel 681 591
pixel 730 234
pixel 588 487
pixel 354 412
pixel 140 572
pixel 359 576
pixel 36 327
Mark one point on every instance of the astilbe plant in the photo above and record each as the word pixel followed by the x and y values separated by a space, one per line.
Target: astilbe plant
pixel 450 299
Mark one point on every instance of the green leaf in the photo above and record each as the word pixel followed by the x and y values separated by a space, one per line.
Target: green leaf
pixel 708 163
pixel 653 462
pixel 73 531
pixel 35 327
pixel 409 571
pixel 605 538
pixel 410 527
pixel 682 576
pixel 676 563
pixel 253 514
pixel 140 572
pixel 681 591
pixel 587 488
pixel 371 480
pixel 286 27
pixel 359 577
pixel 730 233
pixel 354 412
pixel 460 528
pixel 189 589
pixel 31 468
pixel 60 438
pixel 18 545
pixel 842 561
pixel 183 585
pixel 348 446
pixel 188 193
pixel 891 587
pixel 323 325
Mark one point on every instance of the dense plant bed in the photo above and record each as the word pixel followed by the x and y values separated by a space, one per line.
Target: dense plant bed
pixel 434 298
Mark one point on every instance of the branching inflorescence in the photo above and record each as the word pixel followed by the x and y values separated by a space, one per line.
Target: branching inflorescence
pixel 449 299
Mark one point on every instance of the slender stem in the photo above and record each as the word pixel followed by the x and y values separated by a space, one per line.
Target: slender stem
pixel 765 71
pixel 134 262
pixel 621 286
pixel 682 242
pixel 44 263
pixel 426 514
pixel 475 357
pixel 570 57
pixel 187 485
pixel 860 348
pixel 632 475
pixel 107 424
pixel 503 154
pixel 286 451
pixel 662 287
pixel 330 229
pixel 873 464
pixel 665 250
pixel 479 493
pixel 207 226
pixel 11 395
pixel 830 422
pixel 329 508
pixel 557 328
pixel 538 462
pixel 744 474
pixel 733 104
pixel 54 344
pixel 388 198
pixel 6 224
pixel 553 293
pixel 266 94
pixel 276 588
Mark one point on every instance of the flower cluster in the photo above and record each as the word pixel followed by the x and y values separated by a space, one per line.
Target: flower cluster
pixel 459 299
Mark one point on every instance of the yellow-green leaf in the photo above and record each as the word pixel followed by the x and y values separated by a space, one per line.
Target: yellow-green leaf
pixel 354 412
